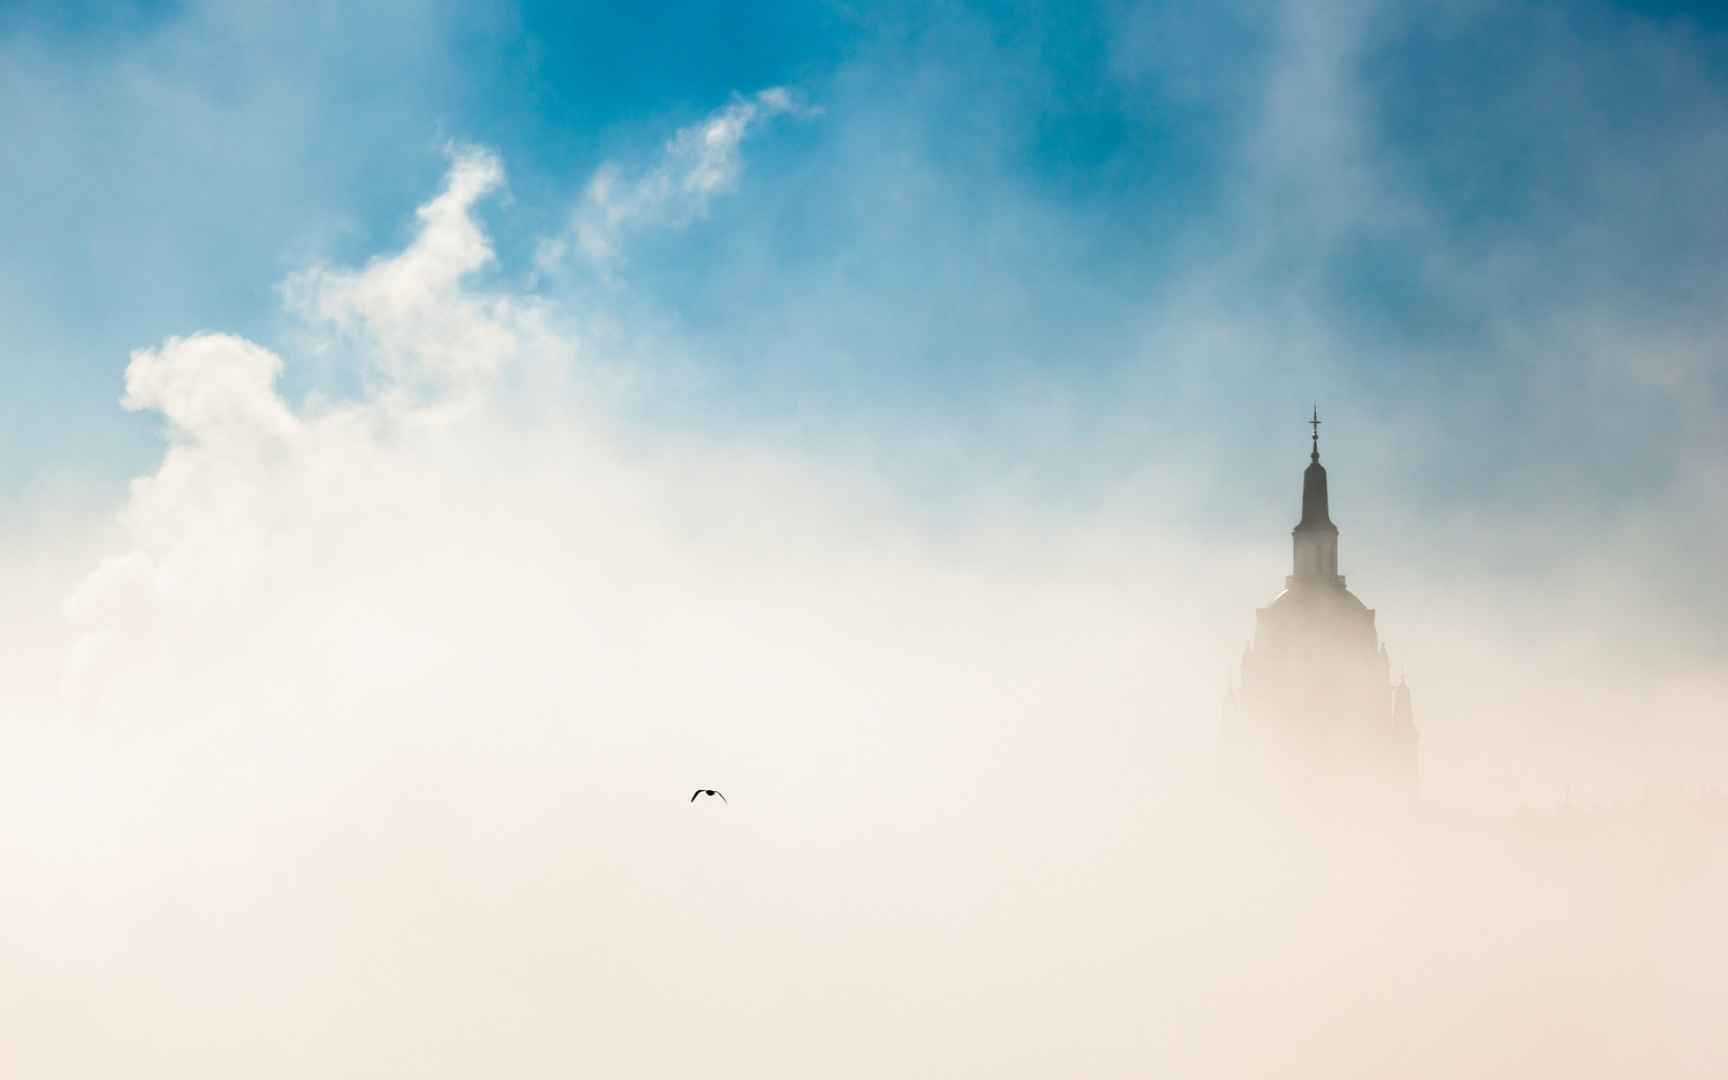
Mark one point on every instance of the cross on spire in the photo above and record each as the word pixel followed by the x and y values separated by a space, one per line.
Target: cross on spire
pixel 1315 423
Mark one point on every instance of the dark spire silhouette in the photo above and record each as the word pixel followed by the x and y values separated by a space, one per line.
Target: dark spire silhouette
pixel 1315 512
pixel 1315 552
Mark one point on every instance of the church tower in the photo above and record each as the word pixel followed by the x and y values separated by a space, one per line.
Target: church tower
pixel 1314 719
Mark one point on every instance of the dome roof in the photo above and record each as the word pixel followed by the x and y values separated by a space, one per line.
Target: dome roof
pixel 1303 596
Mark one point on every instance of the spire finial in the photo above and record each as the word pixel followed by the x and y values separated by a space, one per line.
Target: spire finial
pixel 1315 422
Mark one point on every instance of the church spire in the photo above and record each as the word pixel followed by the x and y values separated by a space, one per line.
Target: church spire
pixel 1315 537
pixel 1316 514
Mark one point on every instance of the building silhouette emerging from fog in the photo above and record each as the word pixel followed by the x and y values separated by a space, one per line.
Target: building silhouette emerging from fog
pixel 1314 719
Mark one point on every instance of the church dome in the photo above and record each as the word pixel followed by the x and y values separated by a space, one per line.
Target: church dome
pixel 1316 598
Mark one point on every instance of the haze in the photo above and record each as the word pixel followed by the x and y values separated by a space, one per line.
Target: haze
pixel 442 437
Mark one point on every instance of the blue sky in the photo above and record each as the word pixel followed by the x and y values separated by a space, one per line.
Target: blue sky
pixel 1485 237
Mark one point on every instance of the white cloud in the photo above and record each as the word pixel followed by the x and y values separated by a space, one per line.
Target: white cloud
pixel 426 341
pixel 695 165
pixel 214 389
pixel 335 630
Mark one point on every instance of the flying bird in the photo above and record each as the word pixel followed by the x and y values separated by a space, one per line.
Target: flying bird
pixel 705 791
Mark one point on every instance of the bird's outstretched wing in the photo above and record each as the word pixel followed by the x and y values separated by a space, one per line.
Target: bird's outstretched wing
pixel 723 798
pixel 695 793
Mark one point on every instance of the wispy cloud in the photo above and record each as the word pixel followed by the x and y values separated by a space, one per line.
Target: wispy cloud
pixel 695 165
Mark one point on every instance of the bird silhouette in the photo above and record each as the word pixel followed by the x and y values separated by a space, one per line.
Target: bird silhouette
pixel 705 791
